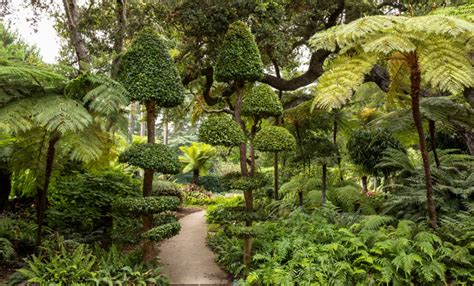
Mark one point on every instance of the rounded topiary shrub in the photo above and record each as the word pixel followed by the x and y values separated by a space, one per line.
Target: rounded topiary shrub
pixel 148 72
pixel 157 157
pixel 221 130
pixel 274 139
pixel 146 205
pixel 238 57
pixel 261 102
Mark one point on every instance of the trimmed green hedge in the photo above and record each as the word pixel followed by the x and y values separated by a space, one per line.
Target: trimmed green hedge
pixel 262 102
pixel 238 57
pixel 163 232
pixel 158 157
pixel 235 181
pixel 148 72
pixel 221 130
pixel 274 139
pixel 146 205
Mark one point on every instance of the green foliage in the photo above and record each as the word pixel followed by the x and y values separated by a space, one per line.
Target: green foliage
pixel 157 157
pixel 146 205
pixel 366 148
pixel 81 202
pixel 148 72
pixel 261 102
pixel 166 188
pixel 7 251
pixel 235 181
pixel 238 57
pixel 221 130
pixel 197 157
pixel 211 183
pixel 274 139
pixel 163 232
pixel 438 43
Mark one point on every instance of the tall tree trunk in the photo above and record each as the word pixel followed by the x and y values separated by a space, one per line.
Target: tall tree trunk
pixel 42 203
pixel 253 133
pixel 275 177
pixel 276 185
pixel 364 185
pixel 148 250
pixel 5 187
pixel 119 36
pixel 195 176
pixel 415 80
pixel 131 123
pixel 334 140
pixel 248 196
pixel 432 127
pixel 300 199
pixel 142 121
pixel 165 127
pixel 324 185
pixel 71 10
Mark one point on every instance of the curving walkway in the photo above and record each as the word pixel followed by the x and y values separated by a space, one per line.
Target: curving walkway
pixel 186 259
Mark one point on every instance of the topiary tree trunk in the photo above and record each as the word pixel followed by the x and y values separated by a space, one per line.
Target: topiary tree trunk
pixel 5 187
pixel 365 189
pixel 324 185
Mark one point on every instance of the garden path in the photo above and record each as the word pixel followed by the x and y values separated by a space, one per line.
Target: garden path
pixel 186 258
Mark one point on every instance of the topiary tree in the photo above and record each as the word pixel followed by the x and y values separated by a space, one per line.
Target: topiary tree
pixel 274 139
pixel 221 131
pixel 261 102
pixel 239 61
pixel 366 148
pixel 154 158
pixel 197 158
pixel 149 74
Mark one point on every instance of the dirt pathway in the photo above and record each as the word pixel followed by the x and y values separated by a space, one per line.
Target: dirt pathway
pixel 186 259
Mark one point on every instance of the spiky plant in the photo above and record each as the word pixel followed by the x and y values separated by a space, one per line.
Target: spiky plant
pixel 197 158
pixel 47 120
pixel 428 52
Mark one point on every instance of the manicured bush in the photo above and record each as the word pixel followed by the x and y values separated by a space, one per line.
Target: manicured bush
pixel 163 232
pixel 274 139
pixel 148 72
pixel 261 102
pixel 238 57
pixel 221 130
pixel 157 157
pixel 235 181
pixel 146 205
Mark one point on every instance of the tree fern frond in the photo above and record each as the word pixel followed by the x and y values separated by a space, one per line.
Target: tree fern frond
pixel 82 146
pixel 346 74
pixel 56 113
pixel 18 115
pixel 388 44
pixel 465 12
pixel 447 112
pixel 444 65
pixel 438 25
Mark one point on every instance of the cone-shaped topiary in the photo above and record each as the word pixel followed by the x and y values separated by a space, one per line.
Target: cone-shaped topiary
pixel 274 139
pixel 238 58
pixel 157 157
pixel 261 102
pixel 148 72
pixel 221 130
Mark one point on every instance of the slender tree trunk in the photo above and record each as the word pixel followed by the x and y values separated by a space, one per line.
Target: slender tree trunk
pixel 5 187
pixel 165 127
pixel 275 175
pixel 142 121
pixel 364 185
pixel 334 139
pixel 119 36
pixel 300 199
pixel 253 133
pixel 43 192
pixel 148 250
pixel 432 127
pixel 415 80
pixel 324 185
pixel 131 123
pixel 195 176
pixel 71 10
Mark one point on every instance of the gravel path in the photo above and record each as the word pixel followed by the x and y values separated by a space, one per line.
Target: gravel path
pixel 186 259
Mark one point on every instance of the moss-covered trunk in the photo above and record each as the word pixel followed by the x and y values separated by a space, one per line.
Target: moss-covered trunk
pixel 415 81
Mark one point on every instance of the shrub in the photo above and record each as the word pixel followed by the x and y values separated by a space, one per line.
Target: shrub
pixel 163 231
pixel 146 205
pixel 261 102
pixel 221 130
pixel 238 57
pixel 211 183
pixel 274 139
pixel 157 157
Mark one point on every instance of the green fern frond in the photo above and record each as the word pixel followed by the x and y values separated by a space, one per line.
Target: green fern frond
pixel 438 25
pixel 443 64
pixel 336 86
pixel 83 146
pixel 388 44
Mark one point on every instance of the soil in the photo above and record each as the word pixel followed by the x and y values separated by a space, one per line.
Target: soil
pixel 186 259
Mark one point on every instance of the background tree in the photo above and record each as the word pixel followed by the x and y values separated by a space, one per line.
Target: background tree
pixel 418 48
pixel 197 158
